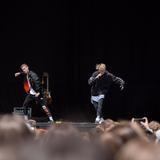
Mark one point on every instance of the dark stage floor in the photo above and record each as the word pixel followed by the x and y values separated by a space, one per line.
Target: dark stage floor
pixel 42 122
pixel 79 125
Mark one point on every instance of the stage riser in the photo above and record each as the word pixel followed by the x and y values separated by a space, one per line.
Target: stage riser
pixel 79 126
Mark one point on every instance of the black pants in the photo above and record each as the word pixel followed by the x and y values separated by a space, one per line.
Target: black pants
pixel 98 107
pixel 31 98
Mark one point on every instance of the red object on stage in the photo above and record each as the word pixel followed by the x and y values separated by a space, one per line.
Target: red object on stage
pixel 26 86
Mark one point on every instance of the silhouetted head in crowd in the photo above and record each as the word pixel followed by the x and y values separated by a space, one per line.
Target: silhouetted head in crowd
pixel 151 129
pixel 139 150
pixel 8 152
pixel 13 130
pixel 85 136
pixel 128 131
pixel 107 125
pixel 154 125
pixel 25 151
pixel 64 142
pixel 118 136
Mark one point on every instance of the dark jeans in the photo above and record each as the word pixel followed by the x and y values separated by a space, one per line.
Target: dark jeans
pixel 98 106
pixel 31 98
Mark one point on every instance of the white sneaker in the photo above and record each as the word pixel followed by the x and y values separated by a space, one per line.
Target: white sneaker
pixel 97 119
pixel 51 119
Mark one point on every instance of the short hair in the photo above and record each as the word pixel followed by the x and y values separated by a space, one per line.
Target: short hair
pixel 24 64
pixel 102 64
pixel 97 66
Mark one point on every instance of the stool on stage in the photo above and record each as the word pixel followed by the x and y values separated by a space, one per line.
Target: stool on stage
pixel 20 111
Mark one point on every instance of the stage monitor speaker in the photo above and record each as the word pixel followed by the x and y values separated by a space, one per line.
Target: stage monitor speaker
pixel 20 111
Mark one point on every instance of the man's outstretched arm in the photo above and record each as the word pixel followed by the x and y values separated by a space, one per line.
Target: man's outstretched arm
pixel 118 81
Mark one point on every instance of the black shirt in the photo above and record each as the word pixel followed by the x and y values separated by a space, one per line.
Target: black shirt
pixel 102 84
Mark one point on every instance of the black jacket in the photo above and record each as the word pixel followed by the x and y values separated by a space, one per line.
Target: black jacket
pixel 102 84
pixel 34 81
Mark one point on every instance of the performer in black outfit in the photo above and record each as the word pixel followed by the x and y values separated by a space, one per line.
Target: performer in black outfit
pixel 100 82
pixel 32 86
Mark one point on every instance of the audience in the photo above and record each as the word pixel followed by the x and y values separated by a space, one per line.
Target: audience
pixel 110 140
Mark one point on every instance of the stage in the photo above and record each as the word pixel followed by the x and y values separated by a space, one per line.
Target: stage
pixel 79 125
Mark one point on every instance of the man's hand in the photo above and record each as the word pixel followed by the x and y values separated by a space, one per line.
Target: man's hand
pixel 99 75
pixel 17 74
pixel 37 94
pixel 121 87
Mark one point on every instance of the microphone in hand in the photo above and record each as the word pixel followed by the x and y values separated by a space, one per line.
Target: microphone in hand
pixel 99 75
